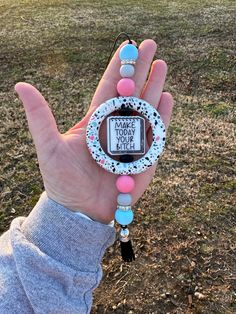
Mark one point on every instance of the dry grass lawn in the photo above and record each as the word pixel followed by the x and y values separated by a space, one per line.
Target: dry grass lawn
pixel 185 228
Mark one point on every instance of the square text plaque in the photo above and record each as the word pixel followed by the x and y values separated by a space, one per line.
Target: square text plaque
pixel 125 135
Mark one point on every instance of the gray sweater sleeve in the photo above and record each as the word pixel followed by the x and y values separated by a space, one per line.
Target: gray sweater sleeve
pixel 50 262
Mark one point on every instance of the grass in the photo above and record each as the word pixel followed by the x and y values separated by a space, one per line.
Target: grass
pixel 185 223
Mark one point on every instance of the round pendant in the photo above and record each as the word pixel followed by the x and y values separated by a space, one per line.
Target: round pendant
pixel 158 135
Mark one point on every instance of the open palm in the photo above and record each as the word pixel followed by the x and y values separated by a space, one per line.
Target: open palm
pixel 71 177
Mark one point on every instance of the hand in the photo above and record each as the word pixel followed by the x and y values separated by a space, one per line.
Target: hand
pixel 71 177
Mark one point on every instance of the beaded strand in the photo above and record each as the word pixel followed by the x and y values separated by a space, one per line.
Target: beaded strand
pixel 125 184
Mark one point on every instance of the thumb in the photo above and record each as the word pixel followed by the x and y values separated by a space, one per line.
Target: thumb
pixel 42 124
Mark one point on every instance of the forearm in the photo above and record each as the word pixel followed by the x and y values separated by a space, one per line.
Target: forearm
pixel 51 261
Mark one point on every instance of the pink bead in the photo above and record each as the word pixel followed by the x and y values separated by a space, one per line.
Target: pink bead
pixel 125 87
pixel 125 184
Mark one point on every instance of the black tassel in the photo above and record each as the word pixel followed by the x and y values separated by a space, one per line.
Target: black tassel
pixel 127 252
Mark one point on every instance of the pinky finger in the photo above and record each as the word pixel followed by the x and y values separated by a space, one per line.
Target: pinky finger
pixel 164 108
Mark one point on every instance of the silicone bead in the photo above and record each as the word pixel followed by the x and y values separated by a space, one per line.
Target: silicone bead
pixel 124 199
pixel 127 70
pixel 124 217
pixel 128 52
pixel 125 87
pixel 125 184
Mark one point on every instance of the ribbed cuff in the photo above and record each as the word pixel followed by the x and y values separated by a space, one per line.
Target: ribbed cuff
pixel 71 239
pixel 111 224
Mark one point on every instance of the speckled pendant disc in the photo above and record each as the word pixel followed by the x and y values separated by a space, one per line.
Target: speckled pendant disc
pixel 158 135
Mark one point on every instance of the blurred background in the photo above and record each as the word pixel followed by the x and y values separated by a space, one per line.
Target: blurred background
pixel 185 229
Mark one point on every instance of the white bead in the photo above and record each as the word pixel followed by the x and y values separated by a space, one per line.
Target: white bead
pixel 127 70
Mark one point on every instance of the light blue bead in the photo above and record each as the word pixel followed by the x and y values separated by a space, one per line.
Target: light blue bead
pixel 124 199
pixel 124 217
pixel 128 52
pixel 127 70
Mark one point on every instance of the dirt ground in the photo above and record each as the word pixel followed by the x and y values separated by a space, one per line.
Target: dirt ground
pixel 185 224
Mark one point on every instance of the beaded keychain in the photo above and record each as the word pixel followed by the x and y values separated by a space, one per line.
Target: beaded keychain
pixel 126 138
